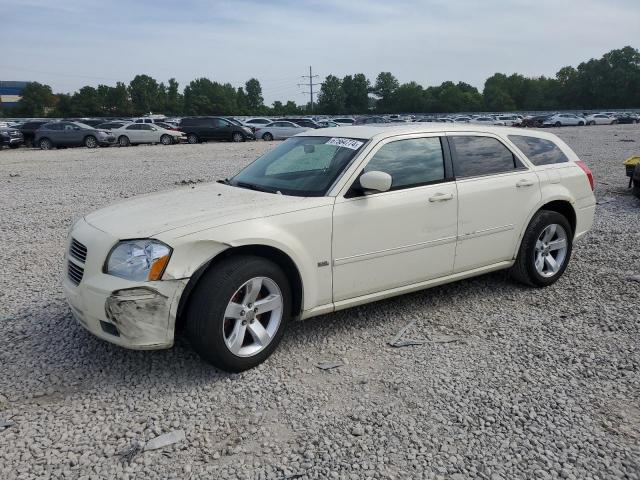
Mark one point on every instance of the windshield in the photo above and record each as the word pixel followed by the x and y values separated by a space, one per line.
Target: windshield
pixel 300 166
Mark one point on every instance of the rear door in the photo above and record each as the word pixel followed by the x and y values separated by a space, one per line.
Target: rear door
pixel 496 193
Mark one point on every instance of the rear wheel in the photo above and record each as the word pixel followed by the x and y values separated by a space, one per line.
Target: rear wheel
pixel 557 124
pixel 237 137
pixel 124 141
pixel 545 250
pixel 90 142
pixel 238 312
pixel 45 144
pixel 192 138
pixel 267 137
pixel 166 139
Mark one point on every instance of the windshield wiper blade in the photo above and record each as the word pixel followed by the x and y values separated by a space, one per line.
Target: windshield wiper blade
pixel 252 186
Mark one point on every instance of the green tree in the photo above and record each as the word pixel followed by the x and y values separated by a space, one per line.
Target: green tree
pixel 496 94
pixel 36 99
pixel 356 90
pixel 144 92
pixel 174 103
pixel 331 99
pixel 385 86
pixel 254 96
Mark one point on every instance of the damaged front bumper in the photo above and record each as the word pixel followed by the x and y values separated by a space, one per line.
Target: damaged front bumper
pixel 136 315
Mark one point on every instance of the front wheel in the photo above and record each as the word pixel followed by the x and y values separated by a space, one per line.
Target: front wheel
pixel 581 124
pixel 237 137
pixel 45 144
pixel 238 312
pixel 557 124
pixel 90 142
pixel 192 138
pixel 123 141
pixel 545 250
pixel 166 140
pixel 267 137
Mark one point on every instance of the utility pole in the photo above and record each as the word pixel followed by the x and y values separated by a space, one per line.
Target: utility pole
pixel 311 76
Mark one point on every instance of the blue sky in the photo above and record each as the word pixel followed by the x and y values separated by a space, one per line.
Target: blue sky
pixel 71 43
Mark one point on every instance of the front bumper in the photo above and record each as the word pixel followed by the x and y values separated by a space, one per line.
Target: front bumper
pixel 107 141
pixel 136 315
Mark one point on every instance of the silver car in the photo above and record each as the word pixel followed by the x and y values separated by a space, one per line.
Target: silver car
pixel 279 130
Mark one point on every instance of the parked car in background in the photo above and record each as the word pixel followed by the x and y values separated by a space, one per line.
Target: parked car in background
pixel 303 122
pixel 563 120
pixel 344 121
pixel 166 126
pixel 10 137
pixel 329 219
pixel 257 122
pixel 150 119
pixel 462 119
pixel 600 119
pixel 139 133
pixel 534 120
pixel 29 128
pixel 202 129
pixel 370 120
pixel 279 130
pixel 486 120
pixel 509 120
pixel 324 123
pixel 627 118
pixel 71 134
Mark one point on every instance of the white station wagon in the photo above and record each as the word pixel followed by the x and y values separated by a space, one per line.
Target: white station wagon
pixel 328 219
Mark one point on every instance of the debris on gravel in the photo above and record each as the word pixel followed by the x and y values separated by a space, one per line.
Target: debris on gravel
pixel 546 383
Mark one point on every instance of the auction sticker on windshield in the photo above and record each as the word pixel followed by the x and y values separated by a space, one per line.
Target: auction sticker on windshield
pixel 345 142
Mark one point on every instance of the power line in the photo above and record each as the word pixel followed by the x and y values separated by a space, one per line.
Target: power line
pixel 311 76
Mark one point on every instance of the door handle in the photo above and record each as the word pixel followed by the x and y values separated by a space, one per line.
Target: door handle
pixel 524 183
pixel 441 197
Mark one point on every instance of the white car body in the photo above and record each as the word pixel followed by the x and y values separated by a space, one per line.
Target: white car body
pixel 600 119
pixel 279 130
pixel 256 122
pixel 509 120
pixel 345 250
pixel 347 122
pixel 564 119
pixel 138 133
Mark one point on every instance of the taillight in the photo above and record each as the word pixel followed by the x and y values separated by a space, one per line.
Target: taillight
pixel 588 171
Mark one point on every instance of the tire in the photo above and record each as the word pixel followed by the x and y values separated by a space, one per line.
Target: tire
pixel 636 189
pixel 45 144
pixel 237 137
pixel 14 146
pixel 524 269
pixel 192 138
pixel 591 123
pixel 581 124
pixel 615 122
pixel 124 141
pixel 267 137
pixel 557 124
pixel 90 141
pixel 166 139
pixel 212 334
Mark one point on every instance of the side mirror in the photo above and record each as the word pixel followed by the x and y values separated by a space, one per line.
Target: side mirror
pixel 375 181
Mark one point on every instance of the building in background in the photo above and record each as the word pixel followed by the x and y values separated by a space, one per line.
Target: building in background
pixel 10 92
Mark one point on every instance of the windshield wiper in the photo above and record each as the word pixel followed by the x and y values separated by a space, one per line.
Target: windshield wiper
pixel 225 181
pixel 253 186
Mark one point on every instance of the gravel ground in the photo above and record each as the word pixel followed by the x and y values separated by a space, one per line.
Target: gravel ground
pixel 516 382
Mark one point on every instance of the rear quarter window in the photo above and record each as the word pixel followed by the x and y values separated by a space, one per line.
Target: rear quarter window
pixel 478 156
pixel 539 150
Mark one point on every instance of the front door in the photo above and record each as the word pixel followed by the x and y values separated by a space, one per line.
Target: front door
pixel 403 236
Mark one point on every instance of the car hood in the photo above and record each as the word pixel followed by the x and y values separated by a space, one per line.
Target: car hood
pixel 200 206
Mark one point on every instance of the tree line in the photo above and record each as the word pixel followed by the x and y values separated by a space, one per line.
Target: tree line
pixel 612 81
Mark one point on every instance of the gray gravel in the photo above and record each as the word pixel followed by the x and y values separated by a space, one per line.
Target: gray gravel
pixel 537 384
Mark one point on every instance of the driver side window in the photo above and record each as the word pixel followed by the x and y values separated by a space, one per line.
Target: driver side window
pixel 411 163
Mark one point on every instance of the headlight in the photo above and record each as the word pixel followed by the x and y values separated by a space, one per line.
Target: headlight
pixel 138 260
pixel 5 134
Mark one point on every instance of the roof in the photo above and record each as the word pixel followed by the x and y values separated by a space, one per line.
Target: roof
pixel 370 131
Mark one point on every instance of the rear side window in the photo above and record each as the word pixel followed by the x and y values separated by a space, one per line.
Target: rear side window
pixel 411 162
pixel 54 126
pixel 538 150
pixel 475 156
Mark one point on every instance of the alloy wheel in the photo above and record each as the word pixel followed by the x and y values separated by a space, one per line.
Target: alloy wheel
pixel 551 250
pixel 252 317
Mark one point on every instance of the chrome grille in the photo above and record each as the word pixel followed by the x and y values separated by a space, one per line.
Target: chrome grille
pixel 75 273
pixel 78 251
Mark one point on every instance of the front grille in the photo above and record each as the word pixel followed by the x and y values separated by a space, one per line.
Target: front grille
pixel 75 273
pixel 78 251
